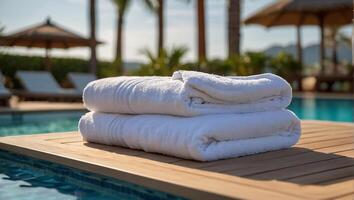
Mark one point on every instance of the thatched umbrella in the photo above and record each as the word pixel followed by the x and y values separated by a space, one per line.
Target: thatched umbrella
pixel 46 35
pixel 305 12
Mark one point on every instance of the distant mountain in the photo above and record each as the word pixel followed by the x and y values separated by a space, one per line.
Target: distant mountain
pixel 311 53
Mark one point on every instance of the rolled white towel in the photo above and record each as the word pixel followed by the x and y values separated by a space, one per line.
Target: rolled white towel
pixel 188 93
pixel 204 138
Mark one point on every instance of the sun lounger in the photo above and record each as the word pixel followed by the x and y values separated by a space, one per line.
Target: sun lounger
pixel 4 93
pixel 80 80
pixel 41 85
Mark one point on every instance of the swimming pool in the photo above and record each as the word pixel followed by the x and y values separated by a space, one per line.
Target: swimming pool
pixel 31 123
pixel 39 122
pixel 341 110
pixel 26 178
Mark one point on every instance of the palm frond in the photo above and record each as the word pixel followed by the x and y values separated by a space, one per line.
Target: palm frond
pixel 342 37
pixel 122 5
pixel 175 56
pixel 150 5
pixel 147 53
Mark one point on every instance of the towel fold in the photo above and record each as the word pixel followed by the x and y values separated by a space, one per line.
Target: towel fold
pixel 188 93
pixel 204 138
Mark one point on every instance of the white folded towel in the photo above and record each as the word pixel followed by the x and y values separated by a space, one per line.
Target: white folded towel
pixel 204 138
pixel 188 93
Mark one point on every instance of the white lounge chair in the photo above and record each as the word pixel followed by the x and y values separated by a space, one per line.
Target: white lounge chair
pixel 80 80
pixel 41 85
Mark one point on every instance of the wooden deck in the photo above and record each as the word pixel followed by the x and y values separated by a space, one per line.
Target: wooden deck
pixel 37 106
pixel 321 166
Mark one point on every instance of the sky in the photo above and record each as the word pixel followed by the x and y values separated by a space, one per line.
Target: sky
pixel 140 27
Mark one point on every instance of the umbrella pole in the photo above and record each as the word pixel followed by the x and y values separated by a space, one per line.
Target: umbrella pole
pixel 47 60
pixel 298 45
pixel 322 48
pixel 201 31
pixel 351 72
pixel 93 59
pixel 334 51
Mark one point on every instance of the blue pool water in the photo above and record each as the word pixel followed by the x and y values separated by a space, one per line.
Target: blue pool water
pixel 24 178
pixel 33 123
pixel 341 110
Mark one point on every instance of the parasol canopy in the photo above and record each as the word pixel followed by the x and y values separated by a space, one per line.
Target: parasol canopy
pixel 46 35
pixel 305 12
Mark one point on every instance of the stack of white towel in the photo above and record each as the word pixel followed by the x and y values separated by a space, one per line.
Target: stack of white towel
pixel 191 115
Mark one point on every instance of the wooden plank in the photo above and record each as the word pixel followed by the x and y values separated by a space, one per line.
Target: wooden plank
pixel 240 167
pixel 38 107
pixel 336 149
pixel 107 149
pixel 267 156
pixel 343 179
pixel 324 144
pixel 64 137
pixel 349 196
pixel 339 189
pixel 287 173
pixel 277 164
pixel 326 133
pixel 324 123
pixel 131 152
pixel 348 153
pixel 46 136
pixel 347 135
pixel 324 176
pixel 234 161
pixel 323 129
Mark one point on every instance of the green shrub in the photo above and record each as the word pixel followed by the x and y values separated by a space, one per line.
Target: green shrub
pixel 248 64
pixel 163 65
pixel 256 61
pixel 217 66
pixel 285 65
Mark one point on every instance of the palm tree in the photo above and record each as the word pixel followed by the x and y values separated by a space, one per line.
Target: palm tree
pixel 122 6
pixel 201 31
pixel 2 28
pixel 331 41
pixel 92 16
pixel 157 6
pixel 234 23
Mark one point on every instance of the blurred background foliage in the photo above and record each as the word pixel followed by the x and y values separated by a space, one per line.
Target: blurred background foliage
pixel 247 64
pixel 169 61
pixel 285 65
